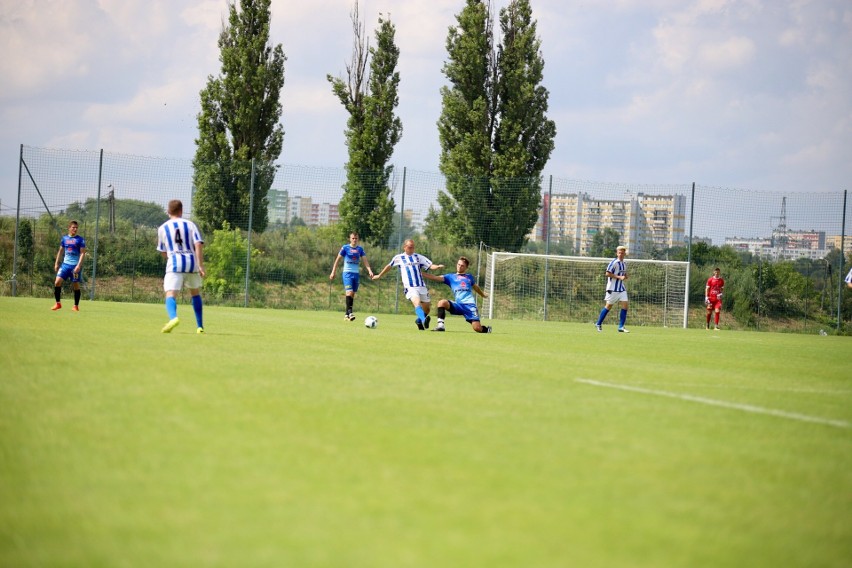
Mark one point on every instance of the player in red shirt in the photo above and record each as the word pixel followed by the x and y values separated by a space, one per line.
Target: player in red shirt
pixel 713 296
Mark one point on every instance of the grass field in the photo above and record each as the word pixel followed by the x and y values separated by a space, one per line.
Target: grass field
pixel 287 438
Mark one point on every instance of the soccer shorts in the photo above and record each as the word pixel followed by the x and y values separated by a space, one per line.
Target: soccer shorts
pixel 469 311
pixel 177 280
pixel 351 281
pixel 66 272
pixel 715 304
pixel 418 291
pixel 613 298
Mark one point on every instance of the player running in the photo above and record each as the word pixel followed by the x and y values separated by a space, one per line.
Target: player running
pixel 463 286
pixel 74 247
pixel 411 268
pixel 713 296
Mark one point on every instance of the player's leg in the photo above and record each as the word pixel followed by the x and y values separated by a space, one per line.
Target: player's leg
pixel 172 284
pixel 709 314
pixel 57 293
pixel 414 297
pixel 603 314
pixel 427 307
pixel 718 311
pixel 622 317
pixel 350 286
pixel 77 294
pixel 442 314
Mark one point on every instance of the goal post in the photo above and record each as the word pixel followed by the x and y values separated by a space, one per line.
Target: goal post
pixel 572 288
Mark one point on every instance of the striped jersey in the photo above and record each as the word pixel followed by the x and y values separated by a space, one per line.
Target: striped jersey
pixel 177 238
pixel 351 257
pixel 409 268
pixel 618 268
pixel 849 277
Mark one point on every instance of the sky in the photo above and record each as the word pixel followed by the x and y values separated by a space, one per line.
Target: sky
pixel 751 94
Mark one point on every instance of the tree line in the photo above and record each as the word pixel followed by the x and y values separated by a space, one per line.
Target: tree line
pixel 493 127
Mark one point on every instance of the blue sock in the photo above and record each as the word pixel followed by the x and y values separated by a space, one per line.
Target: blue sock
pixel 601 317
pixel 196 306
pixel 622 318
pixel 420 313
pixel 171 307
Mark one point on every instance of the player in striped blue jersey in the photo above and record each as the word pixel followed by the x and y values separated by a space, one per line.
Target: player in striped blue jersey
pixel 410 265
pixel 180 243
pixel 616 274
pixel 849 279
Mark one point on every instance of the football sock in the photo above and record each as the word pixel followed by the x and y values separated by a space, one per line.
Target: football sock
pixel 57 293
pixel 171 307
pixel 717 318
pixel 622 318
pixel 196 307
pixel 442 313
pixel 349 301
pixel 601 317
pixel 76 297
pixel 420 313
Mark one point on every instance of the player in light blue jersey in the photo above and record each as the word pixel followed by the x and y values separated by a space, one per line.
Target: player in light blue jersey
pixel 351 255
pixel 411 266
pixel 180 243
pixel 74 248
pixel 616 274
pixel 464 286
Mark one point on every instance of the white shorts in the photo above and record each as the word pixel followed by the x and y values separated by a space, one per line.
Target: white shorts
pixel 615 297
pixel 418 292
pixel 178 280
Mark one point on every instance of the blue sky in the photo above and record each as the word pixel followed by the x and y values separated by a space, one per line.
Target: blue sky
pixel 752 94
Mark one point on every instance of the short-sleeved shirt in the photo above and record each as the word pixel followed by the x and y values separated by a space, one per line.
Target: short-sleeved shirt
pixel 73 246
pixel 849 277
pixel 618 268
pixel 714 287
pixel 351 257
pixel 462 287
pixel 177 238
pixel 409 268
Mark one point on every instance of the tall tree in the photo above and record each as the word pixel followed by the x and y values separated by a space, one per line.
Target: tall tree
pixel 239 122
pixel 372 131
pixel 494 133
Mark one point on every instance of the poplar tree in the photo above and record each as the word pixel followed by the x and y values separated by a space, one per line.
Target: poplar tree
pixel 239 122
pixel 372 131
pixel 494 133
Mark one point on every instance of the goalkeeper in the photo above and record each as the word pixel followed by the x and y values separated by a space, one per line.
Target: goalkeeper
pixel 463 286
pixel 713 296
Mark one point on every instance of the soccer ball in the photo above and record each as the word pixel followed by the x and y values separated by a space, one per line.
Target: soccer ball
pixel 371 322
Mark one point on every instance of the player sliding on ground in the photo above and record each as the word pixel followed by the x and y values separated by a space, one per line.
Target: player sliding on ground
pixel 463 286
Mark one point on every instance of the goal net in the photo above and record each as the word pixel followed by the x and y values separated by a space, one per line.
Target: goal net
pixel 572 288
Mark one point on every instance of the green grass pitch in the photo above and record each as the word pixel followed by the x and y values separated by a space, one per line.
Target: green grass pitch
pixel 286 438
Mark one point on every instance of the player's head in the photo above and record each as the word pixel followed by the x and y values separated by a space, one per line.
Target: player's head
pixel 620 250
pixel 175 208
pixel 462 264
pixel 353 237
pixel 72 227
pixel 408 246
pixel 717 272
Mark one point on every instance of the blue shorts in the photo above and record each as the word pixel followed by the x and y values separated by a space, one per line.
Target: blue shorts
pixel 66 272
pixel 469 311
pixel 351 281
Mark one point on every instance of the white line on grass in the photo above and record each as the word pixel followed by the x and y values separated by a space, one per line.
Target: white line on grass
pixel 722 403
pixel 763 389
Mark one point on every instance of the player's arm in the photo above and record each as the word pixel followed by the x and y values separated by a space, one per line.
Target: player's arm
pixel 199 255
pixel 479 291
pixel 367 265
pixel 707 293
pixel 433 277
pixel 435 266
pixel 58 256
pixel 616 276
pixel 382 273
pixel 79 266
pixel 334 267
